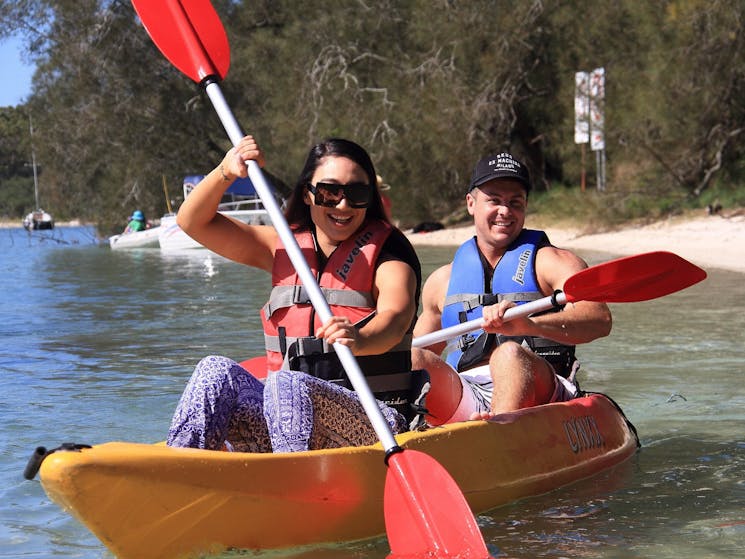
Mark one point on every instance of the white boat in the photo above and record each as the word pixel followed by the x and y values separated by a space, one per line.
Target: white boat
pixel 38 219
pixel 136 239
pixel 240 201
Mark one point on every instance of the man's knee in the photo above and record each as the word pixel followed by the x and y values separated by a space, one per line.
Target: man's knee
pixel 509 352
pixel 422 358
pixel 518 362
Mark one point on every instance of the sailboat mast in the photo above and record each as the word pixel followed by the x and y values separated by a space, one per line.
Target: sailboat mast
pixel 33 161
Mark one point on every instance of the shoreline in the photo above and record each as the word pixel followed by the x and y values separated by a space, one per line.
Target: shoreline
pixel 11 224
pixel 710 241
pixel 715 241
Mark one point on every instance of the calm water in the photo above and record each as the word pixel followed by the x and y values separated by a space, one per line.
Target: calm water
pixel 97 345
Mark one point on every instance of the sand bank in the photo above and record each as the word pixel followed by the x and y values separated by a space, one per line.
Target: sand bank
pixel 715 241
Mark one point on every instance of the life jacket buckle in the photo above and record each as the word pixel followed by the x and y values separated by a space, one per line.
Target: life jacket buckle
pixel 466 341
pixel 300 295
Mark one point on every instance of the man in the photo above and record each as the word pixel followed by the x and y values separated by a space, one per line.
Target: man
pixel 510 364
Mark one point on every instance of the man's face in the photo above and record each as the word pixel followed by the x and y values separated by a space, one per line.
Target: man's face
pixel 498 208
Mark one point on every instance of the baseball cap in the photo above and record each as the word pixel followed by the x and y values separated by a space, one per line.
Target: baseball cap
pixel 500 166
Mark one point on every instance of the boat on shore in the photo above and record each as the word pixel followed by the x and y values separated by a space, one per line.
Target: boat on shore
pixel 147 501
pixel 240 201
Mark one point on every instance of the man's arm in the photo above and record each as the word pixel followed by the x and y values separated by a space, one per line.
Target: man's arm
pixel 578 323
pixel 433 299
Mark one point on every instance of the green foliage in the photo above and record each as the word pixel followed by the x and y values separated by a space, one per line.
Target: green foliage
pixel 16 171
pixel 15 144
pixel 427 87
pixel 726 195
pixel 16 197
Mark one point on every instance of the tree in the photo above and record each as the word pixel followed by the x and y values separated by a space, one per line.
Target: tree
pixel 428 87
pixel 698 123
pixel 16 173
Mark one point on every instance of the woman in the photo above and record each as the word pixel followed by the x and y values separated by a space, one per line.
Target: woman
pixel 371 278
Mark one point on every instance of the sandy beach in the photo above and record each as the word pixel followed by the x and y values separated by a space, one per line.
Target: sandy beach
pixel 711 241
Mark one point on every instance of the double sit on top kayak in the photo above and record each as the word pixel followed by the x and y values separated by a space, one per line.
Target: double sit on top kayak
pixel 148 501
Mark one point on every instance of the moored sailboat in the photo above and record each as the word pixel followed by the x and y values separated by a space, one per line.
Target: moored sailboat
pixel 37 219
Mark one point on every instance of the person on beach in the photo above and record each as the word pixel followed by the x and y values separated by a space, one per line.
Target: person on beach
pixel 371 278
pixel 383 187
pixel 509 364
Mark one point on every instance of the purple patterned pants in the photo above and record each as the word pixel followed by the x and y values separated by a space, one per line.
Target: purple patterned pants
pixel 294 411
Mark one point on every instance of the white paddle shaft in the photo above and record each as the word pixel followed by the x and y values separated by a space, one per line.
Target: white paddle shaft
pixel 266 194
pixel 525 309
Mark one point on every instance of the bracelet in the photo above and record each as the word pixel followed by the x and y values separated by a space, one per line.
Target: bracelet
pixel 222 172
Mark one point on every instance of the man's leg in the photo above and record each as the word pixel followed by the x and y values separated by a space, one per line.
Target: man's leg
pixel 521 378
pixel 445 390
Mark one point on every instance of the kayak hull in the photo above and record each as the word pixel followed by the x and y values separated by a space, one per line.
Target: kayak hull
pixel 151 501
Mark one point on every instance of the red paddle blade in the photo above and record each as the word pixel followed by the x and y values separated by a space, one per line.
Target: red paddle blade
pixel 426 514
pixel 189 33
pixel 633 278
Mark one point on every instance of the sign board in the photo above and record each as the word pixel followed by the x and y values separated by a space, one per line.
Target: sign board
pixel 589 108
pixel 581 107
pixel 597 109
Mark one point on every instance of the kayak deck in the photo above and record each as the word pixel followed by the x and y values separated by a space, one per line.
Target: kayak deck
pixel 151 501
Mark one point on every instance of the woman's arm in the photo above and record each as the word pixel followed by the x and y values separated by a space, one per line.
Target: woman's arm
pixel 252 245
pixel 395 286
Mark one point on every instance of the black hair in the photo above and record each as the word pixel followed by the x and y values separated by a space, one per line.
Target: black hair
pixel 297 211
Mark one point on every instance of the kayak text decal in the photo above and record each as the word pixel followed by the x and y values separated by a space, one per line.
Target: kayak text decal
pixel 583 433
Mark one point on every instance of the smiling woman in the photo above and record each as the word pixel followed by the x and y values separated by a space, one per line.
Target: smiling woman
pixel 361 262
pixel 14 91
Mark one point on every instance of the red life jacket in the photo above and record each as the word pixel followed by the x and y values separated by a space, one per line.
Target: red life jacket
pixel 346 281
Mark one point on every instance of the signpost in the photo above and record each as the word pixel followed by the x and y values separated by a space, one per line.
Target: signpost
pixel 589 119
pixel 582 116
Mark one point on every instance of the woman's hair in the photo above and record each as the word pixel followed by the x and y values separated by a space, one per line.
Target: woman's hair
pixel 297 211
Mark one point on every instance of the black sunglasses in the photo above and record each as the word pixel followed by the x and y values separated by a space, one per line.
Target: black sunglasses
pixel 358 194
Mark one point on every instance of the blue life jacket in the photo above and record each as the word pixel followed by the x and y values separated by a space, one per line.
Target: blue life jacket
pixel 513 279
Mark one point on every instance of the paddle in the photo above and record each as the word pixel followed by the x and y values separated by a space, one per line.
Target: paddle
pixel 429 515
pixel 624 280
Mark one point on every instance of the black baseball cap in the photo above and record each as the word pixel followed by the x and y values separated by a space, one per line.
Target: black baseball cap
pixel 500 166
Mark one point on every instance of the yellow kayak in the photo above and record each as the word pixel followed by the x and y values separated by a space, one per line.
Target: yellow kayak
pixel 151 501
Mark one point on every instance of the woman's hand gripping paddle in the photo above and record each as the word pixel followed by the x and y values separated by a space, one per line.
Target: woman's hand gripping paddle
pixel 624 280
pixel 426 514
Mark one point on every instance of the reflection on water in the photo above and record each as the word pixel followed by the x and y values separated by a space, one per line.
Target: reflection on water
pixel 96 345
pixel 671 485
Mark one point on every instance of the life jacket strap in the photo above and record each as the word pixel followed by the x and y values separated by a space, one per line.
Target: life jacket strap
pixel 284 296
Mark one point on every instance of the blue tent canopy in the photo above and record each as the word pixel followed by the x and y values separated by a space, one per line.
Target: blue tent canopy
pixel 241 187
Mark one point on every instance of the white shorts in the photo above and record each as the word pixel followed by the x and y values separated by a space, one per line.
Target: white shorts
pixel 478 387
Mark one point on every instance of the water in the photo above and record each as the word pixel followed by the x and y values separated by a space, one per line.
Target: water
pixel 96 345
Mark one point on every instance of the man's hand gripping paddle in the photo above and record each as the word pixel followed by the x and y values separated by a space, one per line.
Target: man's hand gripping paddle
pixel 426 514
pixel 624 280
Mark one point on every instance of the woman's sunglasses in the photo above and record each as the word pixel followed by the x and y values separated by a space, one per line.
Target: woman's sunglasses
pixel 358 194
